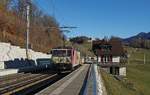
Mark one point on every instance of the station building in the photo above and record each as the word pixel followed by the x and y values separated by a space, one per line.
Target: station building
pixel 110 55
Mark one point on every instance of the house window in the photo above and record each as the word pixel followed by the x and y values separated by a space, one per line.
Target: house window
pixel 101 58
pixel 105 58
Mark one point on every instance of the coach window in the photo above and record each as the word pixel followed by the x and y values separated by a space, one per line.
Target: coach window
pixel 69 53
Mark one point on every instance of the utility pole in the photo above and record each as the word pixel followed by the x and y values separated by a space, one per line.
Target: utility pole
pixel 28 28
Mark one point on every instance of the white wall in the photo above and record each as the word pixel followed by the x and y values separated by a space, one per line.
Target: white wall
pixel 7 72
pixel 122 71
pixel 2 66
pixel 116 59
pixel 11 53
pixel 99 59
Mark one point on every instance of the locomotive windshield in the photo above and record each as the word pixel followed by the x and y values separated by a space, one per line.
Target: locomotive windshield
pixel 61 53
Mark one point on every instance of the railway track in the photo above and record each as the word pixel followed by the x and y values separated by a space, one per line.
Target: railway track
pixel 17 76
pixel 24 83
pixel 10 77
pixel 16 80
pixel 28 83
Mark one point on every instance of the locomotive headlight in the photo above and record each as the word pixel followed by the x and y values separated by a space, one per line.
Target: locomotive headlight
pixel 55 59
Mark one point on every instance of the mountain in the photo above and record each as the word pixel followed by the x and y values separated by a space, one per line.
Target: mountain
pixel 141 35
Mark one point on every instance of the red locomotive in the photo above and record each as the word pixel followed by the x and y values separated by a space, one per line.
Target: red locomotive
pixel 65 58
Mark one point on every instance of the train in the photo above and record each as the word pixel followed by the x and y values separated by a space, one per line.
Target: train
pixel 65 58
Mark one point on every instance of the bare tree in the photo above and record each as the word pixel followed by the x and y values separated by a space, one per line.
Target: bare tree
pixel 4 4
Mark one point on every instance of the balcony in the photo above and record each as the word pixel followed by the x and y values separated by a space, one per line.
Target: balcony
pixel 108 64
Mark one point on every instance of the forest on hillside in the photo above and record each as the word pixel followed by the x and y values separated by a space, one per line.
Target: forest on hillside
pixel 13 26
pixel 141 40
pixel 140 43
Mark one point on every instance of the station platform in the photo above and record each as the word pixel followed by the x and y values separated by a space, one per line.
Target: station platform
pixel 72 84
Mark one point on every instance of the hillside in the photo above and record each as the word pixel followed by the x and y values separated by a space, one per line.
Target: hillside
pixel 13 30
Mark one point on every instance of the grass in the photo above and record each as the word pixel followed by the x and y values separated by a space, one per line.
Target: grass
pixel 115 87
pixel 137 81
pixel 140 76
pixel 137 55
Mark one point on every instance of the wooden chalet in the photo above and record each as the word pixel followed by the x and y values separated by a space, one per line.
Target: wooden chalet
pixel 110 55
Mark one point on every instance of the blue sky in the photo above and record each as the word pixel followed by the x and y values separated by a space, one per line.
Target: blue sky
pixel 99 18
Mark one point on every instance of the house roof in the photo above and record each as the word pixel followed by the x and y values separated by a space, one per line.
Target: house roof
pixel 115 45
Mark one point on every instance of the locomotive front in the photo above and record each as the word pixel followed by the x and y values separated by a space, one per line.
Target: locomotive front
pixel 62 59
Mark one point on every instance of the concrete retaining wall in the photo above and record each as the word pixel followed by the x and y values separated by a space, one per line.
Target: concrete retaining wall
pixel 101 90
pixel 15 57
pixel 7 72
